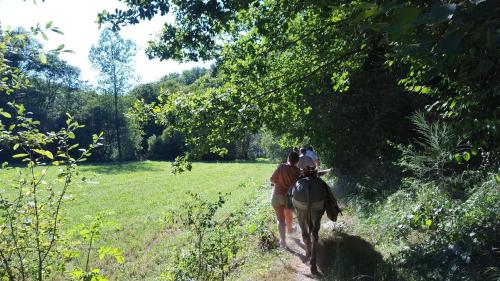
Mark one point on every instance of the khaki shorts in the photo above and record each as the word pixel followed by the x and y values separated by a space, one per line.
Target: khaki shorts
pixel 278 200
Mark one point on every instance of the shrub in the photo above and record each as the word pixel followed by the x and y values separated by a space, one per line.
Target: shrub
pixel 89 235
pixel 444 218
pixel 212 245
pixel 168 146
pixel 439 151
pixel 463 240
pixel 31 242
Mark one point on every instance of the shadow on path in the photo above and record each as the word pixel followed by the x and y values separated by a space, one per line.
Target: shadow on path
pixel 345 257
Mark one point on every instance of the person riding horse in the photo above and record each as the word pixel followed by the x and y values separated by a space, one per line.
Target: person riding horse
pixel 310 196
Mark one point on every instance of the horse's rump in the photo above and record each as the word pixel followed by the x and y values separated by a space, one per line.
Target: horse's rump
pixel 309 189
pixel 314 191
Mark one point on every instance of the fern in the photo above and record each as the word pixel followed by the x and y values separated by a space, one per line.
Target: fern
pixel 436 148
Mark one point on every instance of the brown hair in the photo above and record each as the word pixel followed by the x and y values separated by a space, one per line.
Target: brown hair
pixel 293 157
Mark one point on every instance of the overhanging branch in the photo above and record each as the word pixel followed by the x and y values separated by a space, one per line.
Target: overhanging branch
pixel 308 75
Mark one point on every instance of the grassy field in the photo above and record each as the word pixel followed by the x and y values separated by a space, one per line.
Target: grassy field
pixel 135 196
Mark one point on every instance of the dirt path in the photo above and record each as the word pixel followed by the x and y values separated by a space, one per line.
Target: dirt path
pixel 298 262
pixel 340 256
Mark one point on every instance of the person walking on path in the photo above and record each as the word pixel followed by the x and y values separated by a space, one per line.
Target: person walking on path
pixel 283 177
pixel 310 152
pixel 305 162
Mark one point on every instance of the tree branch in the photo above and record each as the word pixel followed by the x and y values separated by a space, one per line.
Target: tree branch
pixel 308 75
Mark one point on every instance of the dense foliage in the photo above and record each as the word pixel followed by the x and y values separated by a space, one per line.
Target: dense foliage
pixel 337 73
pixel 445 217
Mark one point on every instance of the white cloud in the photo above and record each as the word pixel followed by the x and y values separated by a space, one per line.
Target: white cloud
pixel 77 19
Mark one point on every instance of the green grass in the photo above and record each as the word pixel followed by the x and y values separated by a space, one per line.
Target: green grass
pixel 135 197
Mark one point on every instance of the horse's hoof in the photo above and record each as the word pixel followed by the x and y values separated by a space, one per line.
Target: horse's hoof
pixel 308 255
pixel 314 270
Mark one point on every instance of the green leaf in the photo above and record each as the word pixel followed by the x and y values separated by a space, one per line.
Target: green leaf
pixel 466 156
pixel 49 154
pixel 71 135
pixel 16 146
pixel 428 223
pixel 77 274
pixel 453 104
pixel 73 146
pixel 59 48
pixel 48 25
pixel 20 155
pixel 39 151
pixel 56 30
pixel 114 252
pixel 44 36
pixel 43 58
pixel 371 9
pixel 45 153
pixel 5 114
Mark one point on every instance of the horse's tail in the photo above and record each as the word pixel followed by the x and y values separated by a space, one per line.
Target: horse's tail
pixel 308 211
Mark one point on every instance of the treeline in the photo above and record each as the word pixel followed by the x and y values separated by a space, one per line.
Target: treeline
pixel 160 140
pixel 57 89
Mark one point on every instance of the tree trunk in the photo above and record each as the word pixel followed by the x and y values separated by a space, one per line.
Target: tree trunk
pixel 117 125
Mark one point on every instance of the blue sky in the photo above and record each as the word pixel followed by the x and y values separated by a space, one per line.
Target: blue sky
pixel 77 19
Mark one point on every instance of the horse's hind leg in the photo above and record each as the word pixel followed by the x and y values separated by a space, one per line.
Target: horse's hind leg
pixel 315 225
pixel 304 229
pixel 306 238
pixel 315 237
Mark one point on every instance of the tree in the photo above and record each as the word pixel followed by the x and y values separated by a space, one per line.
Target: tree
pixel 113 57
pixel 277 65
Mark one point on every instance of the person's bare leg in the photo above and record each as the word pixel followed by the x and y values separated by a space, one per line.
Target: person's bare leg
pixel 289 220
pixel 280 216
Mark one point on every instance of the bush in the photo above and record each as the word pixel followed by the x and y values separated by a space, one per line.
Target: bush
pixel 88 236
pixel 217 244
pixel 212 245
pixel 31 244
pixel 444 219
pixel 166 147
pixel 464 238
